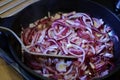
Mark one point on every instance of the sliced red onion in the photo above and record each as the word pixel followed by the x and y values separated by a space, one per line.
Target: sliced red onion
pixel 85 35
pixel 76 48
pixel 89 29
pixel 38 50
pixel 61 66
pixel 104 39
pixel 27 35
pixel 60 30
pixel 116 37
pixel 98 22
pixel 92 65
pixel 60 53
pixel 112 34
pixel 54 41
pixel 73 23
pixel 86 18
pixel 42 36
pixel 49 68
pixel 73 34
pixel 33 39
pixel 76 74
pixel 83 77
pixel 47 75
pixel 73 38
pixel 100 65
pixel 87 21
pixel 68 14
pixel 83 67
pixel 93 49
pixel 69 70
pixel 68 63
pixel 107 28
pixel 44 70
pixel 109 55
pixel 64 48
pixel 97 30
pixel 51 48
pixel 38 71
pixel 104 73
pixel 51 33
pixel 100 49
pixel 77 15
pixel 56 60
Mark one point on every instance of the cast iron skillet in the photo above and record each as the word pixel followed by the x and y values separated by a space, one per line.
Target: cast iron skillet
pixel 41 8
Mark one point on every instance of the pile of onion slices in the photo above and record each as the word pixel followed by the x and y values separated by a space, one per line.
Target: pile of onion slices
pixel 74 34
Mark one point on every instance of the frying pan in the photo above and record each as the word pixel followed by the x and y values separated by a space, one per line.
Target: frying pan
pixel 40 9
